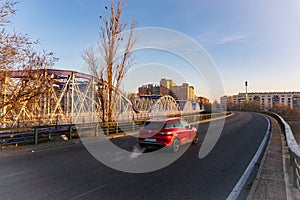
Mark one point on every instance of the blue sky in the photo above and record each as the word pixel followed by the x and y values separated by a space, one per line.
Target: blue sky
pixel 257 41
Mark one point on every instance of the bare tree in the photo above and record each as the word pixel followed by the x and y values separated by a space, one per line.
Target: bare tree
pixel 6 10
pixel 117 58
pixel 21 77
pixel 98 72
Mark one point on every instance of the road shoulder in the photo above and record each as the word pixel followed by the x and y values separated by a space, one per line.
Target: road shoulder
pixel 270 180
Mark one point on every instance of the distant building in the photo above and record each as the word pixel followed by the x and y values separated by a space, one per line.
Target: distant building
pixel 203 100
pixel 168 87
pixel 265 100
pixel 149 89
pixel 180 92
pixel 225 100
pixel 192 93
pixel 165 86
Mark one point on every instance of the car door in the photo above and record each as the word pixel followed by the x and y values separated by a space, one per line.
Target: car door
pixel 185 132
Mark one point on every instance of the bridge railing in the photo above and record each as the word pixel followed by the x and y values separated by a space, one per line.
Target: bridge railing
pixel 294 149
pixel 40 134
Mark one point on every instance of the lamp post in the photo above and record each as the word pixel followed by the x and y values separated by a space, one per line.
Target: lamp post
pixel 246 85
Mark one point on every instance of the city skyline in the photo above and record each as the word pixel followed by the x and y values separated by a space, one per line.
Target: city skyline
pixel 182 91
pixel 262 100
pixel 255 41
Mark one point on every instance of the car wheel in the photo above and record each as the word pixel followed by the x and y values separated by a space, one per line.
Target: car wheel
pixel 196 138
pixel 175 145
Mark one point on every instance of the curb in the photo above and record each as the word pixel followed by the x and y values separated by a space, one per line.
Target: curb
pixel 259 172
pixel 270 181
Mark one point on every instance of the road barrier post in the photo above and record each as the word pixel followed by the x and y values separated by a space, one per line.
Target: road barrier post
pixel 36 136
pixel 294 165
pixel 294 150
pixel 96 129
pixel 107 129
pixel 133 127
pixel 70 132
pixel 117 128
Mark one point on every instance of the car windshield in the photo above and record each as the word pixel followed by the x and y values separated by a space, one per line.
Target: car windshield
pixel 184 124
pixel 152 125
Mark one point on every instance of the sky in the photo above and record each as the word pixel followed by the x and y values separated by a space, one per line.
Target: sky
pixel 257 41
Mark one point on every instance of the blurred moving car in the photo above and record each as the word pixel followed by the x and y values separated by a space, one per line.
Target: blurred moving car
pixel 172 132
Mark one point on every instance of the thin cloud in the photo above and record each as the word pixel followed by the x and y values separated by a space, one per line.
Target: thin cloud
pixel 232 39
pixel 211 38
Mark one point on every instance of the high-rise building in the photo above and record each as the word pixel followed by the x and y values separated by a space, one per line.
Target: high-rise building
pixel 165 86
pixel 191 93
pixel 168 87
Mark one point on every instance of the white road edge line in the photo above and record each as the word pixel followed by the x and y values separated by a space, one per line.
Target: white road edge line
pixel 241 183
pixel 88 192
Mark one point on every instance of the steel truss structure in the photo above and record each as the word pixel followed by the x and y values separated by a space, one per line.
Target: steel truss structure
pixel 70 97
pixel 164 106
pixel 65 97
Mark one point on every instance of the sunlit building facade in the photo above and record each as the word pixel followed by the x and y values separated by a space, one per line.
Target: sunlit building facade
pixel 265 100
pixel 168 87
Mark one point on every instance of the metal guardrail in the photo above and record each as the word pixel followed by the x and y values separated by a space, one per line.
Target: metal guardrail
pixel 294 149
pixel 40 134
pixel 33 135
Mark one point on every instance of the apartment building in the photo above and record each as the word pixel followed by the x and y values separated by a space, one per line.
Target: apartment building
pixel 168 87
pixel 266 100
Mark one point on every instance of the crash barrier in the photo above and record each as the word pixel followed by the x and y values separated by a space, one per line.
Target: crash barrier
pixel 40 134
pixel 293 148
pixel 34 135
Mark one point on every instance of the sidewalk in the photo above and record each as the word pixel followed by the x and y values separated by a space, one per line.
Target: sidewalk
pixel 32 148
pixel 273 180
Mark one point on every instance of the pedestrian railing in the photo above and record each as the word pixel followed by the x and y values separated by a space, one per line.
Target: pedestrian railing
pixel 294 149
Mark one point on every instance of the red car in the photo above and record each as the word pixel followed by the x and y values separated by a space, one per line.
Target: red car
pixel 172 132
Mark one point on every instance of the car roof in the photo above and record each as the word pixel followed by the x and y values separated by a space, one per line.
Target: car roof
pixel 165 120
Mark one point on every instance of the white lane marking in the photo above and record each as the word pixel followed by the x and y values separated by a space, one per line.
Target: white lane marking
pixel 15 174
pixel 88 192
pixel 241 183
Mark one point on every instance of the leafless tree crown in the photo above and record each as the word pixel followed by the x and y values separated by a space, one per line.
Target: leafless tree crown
pixel 17 53
pixel 116 50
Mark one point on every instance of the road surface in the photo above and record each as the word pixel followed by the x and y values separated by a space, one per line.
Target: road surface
pixel 72 173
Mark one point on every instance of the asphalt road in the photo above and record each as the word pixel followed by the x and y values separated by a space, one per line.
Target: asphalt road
pixel 72 173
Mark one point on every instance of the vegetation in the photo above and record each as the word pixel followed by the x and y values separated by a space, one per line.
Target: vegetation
pixel 116 51
pixel 17 53
pixel 291 115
